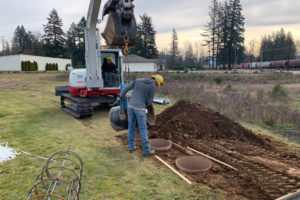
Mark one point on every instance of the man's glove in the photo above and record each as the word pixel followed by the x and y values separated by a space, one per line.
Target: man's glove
pixel 123 115
pixel 151 116
pixel 119 99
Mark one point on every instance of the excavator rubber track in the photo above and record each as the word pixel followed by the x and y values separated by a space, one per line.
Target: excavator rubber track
pixel 77 106
pixel 80 107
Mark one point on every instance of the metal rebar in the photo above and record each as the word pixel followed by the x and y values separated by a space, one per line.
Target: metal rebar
pixel 73 184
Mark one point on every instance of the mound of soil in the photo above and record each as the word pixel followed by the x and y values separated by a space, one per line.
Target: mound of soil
pixel 189 120
pixel 267 169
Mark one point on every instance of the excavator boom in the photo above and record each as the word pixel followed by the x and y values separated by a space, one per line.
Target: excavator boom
pixel 120 28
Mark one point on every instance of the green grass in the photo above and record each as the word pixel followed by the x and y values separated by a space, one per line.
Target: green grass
pixel 297 103
pixel 263 131
pixel 31 120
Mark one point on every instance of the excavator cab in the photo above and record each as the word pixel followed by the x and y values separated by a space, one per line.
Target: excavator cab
pixel 111 68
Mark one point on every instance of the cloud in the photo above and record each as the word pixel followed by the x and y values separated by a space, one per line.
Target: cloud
pixel 271 12
pixel 187 17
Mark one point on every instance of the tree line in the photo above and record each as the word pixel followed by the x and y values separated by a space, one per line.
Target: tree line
pixel 53 43
pixel 278 46
pixel 225 42
pixel 223 39
pixel 56 43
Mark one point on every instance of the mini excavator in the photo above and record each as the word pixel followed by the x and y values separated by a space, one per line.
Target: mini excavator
pixel 90 86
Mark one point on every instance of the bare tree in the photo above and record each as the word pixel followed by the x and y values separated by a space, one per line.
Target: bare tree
pixel 5 47
pixel 174 50
pixel 212 30
pixel 189 53
pixel 198 51
pixel 251 50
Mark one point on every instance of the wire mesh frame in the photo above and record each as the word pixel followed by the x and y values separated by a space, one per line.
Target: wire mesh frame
pixel 46 183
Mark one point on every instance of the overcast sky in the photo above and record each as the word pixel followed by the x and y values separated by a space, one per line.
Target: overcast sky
pixel 188 17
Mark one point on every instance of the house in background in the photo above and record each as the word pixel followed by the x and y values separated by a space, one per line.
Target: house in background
pixel 14 62
pixel 140 64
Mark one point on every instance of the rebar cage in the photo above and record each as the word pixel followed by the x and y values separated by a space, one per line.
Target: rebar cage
pixel 60 178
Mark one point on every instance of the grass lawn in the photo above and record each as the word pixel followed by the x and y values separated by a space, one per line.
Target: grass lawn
pixel 31 120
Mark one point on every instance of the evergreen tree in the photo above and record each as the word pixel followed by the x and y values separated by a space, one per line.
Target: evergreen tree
pixel 80 54
pixel 232 50
pixel 146 46
pixel 292 50
pixel 21 40
pixel 236 33
pixel 71 41
pixel 278 46
pixel 212 29
pixel 54 36
pixel 76 42
pixel 138 47
pixel 174 50
pixel 36 44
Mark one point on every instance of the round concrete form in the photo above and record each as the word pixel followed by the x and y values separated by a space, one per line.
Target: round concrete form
pixel 159 144
pixel 193 164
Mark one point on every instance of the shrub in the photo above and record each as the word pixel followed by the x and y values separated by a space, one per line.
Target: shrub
pixel 279 92
pixel 36 67
pixel 79 67
pixel 51 67
pixel 29 66
pixel 22 66
pixel 218 80
pixel 67 65
pixel 269 119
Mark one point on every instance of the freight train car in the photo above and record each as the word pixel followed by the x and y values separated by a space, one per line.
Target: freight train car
pixel 294 64
pixel 281 64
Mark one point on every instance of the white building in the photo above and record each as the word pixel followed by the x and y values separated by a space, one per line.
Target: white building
pixel 13 62
pixel 140 64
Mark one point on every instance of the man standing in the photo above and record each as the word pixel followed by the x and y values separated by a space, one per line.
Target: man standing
pixel 142 96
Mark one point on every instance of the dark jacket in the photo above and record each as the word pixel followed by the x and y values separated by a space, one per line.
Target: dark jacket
pixel 109 68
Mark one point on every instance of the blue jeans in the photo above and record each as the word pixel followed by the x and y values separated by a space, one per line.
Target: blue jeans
pixel 137 116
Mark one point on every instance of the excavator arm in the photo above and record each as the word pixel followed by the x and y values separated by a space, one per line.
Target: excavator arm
pixel 92 59
pixel 120 29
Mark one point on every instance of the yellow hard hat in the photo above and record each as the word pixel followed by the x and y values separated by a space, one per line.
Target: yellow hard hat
pixel 159 79
pixel 109 58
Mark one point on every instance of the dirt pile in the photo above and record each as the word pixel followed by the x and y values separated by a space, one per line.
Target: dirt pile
pixel 187 120
pixel 267 169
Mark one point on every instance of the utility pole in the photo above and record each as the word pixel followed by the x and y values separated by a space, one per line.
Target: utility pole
pixel 235 58
pixel 289 55
pixel 209 57
pixel 261 57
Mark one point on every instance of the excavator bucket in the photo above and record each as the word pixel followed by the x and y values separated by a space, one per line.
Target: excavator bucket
pixel 121 24
pixel 118 29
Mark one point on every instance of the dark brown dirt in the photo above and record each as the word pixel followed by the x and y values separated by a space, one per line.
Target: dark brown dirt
pixel 189 120
pixel 267 169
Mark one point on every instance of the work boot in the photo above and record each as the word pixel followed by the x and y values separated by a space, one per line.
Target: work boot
pixel 151 153
pixel 132 150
